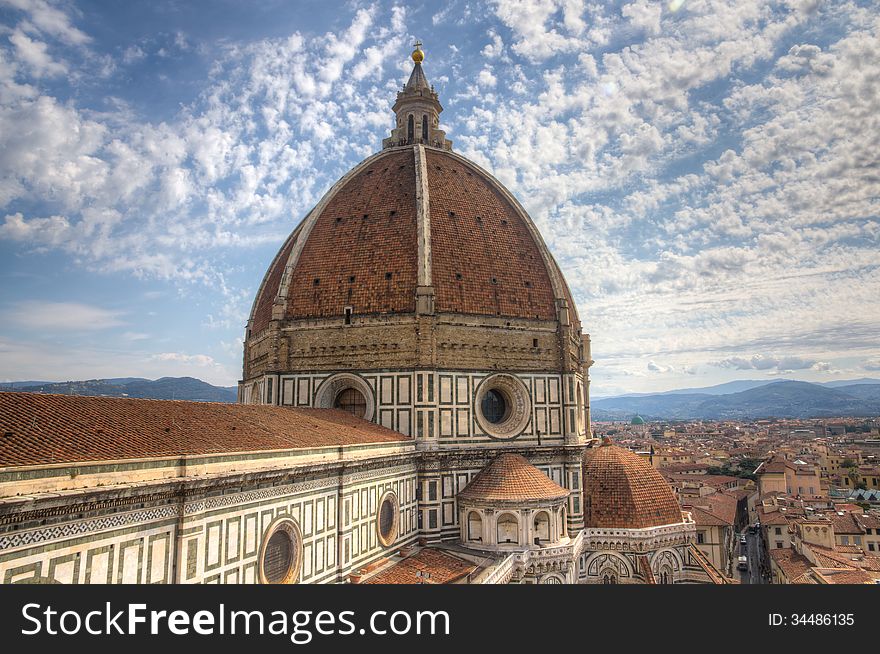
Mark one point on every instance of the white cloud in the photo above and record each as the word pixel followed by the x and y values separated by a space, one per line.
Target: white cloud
pixel 136 336
pixel 771 362
pixel 644 15
pixel 486 78
pixel 705 176
pixel 178 357
pixel 229 171
pixel 41 16
pixel 60 317
pixel 34 54
pixel 132 54
pixel 494 49
pixel 768 245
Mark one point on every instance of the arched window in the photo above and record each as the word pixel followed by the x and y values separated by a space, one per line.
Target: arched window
pixel 351 400
pixel 410 129
pixel 474 526
pixel 507 529
pixel 424 129
pixel 609 578
pixel 542 527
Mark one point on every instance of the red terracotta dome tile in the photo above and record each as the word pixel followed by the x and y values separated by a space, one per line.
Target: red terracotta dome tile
pixel 622 490
pixel 362 250
pixel 511 477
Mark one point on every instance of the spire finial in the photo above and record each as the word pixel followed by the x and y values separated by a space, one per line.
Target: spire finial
pixel 417 111
pixel 418 54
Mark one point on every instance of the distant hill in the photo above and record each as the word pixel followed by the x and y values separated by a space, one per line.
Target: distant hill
pixel 840 383
pixel 166 388
pixel 718 389
pixel 780 399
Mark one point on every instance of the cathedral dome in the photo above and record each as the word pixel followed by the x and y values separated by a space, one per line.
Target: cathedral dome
pixel 511 478
pixel 411 218
pixel 419 294
pixel 415 228
pixel 622 490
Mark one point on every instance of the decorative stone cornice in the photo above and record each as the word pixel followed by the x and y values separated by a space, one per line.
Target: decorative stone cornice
pixel 638 540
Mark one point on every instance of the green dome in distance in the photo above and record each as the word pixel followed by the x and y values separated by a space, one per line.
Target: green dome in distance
pixel 637 420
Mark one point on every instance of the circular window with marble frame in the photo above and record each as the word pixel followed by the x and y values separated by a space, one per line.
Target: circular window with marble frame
pixel 517 406
pixel 388 518
pixel 281 553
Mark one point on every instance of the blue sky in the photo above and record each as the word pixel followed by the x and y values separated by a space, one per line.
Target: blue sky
pixel 706 172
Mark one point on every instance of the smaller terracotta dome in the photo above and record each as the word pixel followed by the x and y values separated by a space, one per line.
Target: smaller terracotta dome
pixel 510 477
pixel 623 490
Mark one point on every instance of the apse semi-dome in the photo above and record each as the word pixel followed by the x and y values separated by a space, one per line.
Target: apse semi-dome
pixel 418 293
pixel 622 490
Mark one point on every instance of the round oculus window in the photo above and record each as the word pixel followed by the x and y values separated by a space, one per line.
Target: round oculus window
pixel 494 406
pixel 503 406
pixel 388 518
pixel 281 553
pixel 351 400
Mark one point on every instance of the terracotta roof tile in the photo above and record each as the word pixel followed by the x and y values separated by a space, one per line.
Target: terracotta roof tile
pixel 484 259
pixel 362 251
pixel 793 565
pixel 869 521
pixel 720 506
pixel 44 429
pixel 511 477
pixel 711 571
pixel 645 568
pixel 443 567
pixel 773 517
pixel 843 576
pixel 845 524
pixel 262 311
pixel 621 489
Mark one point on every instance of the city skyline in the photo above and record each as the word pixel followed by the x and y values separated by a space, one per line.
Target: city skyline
pixel 703 172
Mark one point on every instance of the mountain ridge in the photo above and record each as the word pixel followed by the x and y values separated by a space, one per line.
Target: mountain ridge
pixel 164 388
pixel 774 399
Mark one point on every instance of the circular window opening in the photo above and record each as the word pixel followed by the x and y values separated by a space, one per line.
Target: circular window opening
pixel 387 518
pixel 353 401
pixel 280 555
pixel 502 406
pixel 494 406
pixel 278 558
